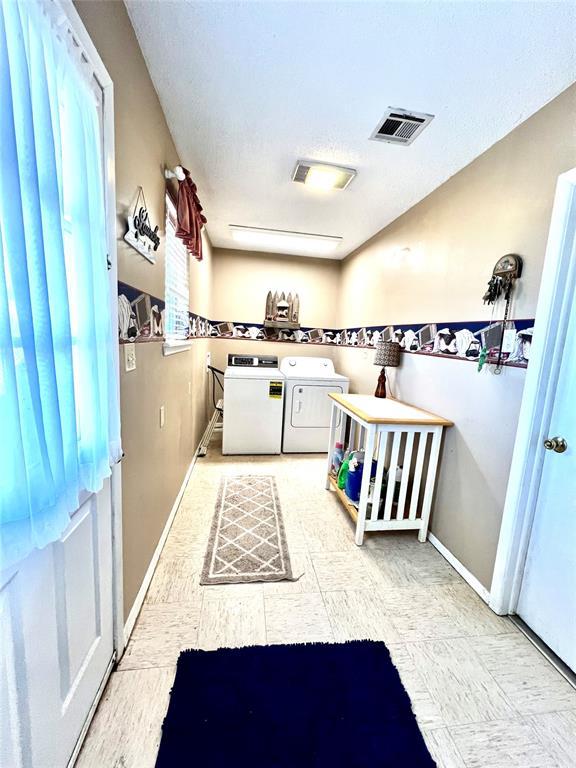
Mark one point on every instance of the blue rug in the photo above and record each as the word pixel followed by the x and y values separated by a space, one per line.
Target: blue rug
pixel 291 706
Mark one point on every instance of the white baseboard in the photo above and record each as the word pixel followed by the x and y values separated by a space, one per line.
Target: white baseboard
pixel 462 570
pixel 135 610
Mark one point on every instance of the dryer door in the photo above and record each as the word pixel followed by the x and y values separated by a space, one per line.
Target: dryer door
pixel 311 405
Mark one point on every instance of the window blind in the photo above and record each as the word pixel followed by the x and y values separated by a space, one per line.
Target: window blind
pixel 177 281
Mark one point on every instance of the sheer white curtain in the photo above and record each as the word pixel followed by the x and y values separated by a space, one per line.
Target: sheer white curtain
pixel 59 416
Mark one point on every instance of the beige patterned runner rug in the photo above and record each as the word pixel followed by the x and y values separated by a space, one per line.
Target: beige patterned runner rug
pixel 247 539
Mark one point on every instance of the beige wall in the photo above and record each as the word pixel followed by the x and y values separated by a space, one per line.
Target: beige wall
pixel 143 142
pixel 501 203
pixel 155 459
pixel 242 280
pixel 238 282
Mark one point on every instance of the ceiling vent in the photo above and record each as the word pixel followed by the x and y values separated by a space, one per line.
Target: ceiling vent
pixel 401 127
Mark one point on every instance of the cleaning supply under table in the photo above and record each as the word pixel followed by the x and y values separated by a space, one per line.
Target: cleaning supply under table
pixel 337 458
pixel 354 478
pixel 343 471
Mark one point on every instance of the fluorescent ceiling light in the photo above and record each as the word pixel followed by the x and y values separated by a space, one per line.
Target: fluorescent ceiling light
pixel 323 176
pixel 280 241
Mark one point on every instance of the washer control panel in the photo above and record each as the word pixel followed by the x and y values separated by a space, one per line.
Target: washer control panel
pixel 253 361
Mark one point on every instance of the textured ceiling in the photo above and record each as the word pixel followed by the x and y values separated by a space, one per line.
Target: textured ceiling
pixel 250 87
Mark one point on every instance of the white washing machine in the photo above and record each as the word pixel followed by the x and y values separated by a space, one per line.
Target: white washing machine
pixel 253 405
pixel 307 406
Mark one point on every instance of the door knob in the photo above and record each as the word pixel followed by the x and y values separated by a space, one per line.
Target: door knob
pixel 557 444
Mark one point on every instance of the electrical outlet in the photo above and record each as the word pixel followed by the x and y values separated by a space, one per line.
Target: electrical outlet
pixel 208 360
pixel 129 357
pixel 162 416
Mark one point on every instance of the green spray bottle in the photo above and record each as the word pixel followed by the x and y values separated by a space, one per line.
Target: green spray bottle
pixel 343 472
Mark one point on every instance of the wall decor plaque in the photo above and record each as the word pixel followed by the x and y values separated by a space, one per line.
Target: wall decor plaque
pixel 140 234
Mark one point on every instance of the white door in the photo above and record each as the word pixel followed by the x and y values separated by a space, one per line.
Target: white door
pixel 57 607
pixel 311 406
pixel 547 601
pixel 56 639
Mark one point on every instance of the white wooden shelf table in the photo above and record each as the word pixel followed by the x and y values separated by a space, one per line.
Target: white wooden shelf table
pixel 397 435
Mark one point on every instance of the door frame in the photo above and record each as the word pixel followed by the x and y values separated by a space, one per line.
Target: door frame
pixel 82 38
pixel 555 300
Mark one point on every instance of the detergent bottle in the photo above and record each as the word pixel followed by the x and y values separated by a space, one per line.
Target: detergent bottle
pixel 343 472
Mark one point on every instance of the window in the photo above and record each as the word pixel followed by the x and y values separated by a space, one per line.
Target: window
pixel 177 286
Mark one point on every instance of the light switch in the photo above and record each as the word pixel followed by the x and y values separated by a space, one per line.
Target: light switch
pixel 129 357
pixel 162 416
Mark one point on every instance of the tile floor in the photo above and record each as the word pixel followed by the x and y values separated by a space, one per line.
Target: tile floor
pixel 483 695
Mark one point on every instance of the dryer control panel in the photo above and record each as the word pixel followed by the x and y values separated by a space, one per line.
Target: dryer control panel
pixel 253 361
pixel 307 367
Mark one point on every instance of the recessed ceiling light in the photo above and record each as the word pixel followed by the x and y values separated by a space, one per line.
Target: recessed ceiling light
pixel 280 241
pixel 324 176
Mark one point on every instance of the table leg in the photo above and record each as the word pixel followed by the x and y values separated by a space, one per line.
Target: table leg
pixel 331 442
pixel 430 482
pixel 352 435
pixel 343 422
pixel 365 487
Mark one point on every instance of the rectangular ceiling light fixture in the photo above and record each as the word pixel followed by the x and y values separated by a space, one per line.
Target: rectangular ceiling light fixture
pixel 280 241
pixel 323 176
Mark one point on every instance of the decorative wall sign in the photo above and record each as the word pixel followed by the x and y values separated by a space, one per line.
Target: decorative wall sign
pixel 141 318
pixel 140 234
pixel 282 311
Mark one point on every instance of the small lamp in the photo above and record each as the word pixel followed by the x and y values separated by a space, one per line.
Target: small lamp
pixel 387 354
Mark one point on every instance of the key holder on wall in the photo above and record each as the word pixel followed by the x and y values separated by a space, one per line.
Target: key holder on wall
pixel 504 275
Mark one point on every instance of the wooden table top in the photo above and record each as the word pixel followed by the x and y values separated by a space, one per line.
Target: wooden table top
pixel 386 410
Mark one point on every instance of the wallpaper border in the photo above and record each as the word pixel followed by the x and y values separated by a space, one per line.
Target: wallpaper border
pixel 141 320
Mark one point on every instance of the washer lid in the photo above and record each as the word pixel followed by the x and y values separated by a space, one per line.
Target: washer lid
pixel 262 374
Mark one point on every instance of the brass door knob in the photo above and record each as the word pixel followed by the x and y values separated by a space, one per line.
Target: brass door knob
pixel 557 444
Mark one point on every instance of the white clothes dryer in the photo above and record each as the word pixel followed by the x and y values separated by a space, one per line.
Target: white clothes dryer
pixel 307 407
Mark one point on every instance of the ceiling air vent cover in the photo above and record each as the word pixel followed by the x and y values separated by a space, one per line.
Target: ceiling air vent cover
pixel 401 127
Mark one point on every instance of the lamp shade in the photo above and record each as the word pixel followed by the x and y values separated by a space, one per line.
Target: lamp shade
pixel 387 354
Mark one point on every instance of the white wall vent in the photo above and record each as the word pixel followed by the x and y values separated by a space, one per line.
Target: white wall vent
pixel 398 126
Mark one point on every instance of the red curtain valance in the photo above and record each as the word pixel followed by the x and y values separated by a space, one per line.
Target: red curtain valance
pixel 190 216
